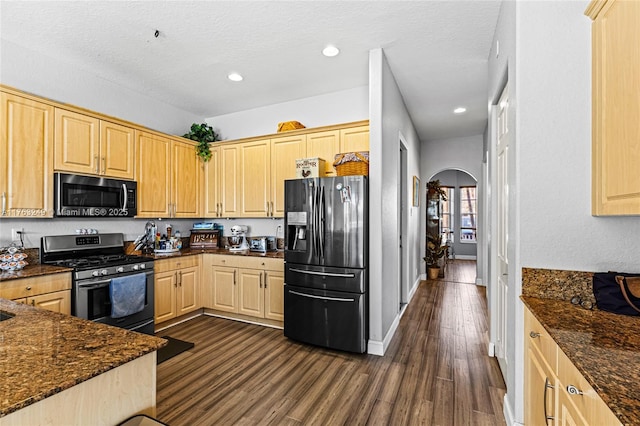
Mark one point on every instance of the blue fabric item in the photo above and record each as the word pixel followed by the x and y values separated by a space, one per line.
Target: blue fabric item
pixel 127 294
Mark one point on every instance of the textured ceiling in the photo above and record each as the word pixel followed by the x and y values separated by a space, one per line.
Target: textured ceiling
pixel 438 50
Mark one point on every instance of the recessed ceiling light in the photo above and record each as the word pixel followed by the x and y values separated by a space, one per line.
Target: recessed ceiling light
pixel 234 76
pixel 330 51
pixel 460 110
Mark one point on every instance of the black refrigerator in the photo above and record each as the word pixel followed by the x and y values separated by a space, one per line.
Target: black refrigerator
pixel 326 262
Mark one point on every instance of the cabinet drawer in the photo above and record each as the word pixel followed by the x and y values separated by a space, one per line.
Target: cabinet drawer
pixel 226 260
pixel 172 264
pixel 538 338
pixel 589 402
pixel 263 263
pixel 25 287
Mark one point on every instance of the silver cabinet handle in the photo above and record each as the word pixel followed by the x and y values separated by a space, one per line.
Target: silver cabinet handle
pixel 180 275
pixel 219 209
pixel 533 334
pixel 234 276
pixel 96 159
pixel 4 204
pixel 260 279
pixel 271 208
pixel 265 279
pixel 104 165
pixel 547 386
pixel 573 390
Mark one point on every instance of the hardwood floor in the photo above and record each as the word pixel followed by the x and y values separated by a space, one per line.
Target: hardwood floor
pixel 435 371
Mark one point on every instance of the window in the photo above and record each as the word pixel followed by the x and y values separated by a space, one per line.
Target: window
pixel 448 213
pixel 468 214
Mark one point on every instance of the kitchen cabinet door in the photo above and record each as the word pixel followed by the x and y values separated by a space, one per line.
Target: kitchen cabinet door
pixel 284 153
pixel 59 301
pixel 77 142
pixel 274 295
pixel 223 288
pixel 165 285
pixel 153 171
pixel 615 107
pixel 250 292
pixel 186 171
pixel 211 192
pixel 117 149
pixel 255 178
pixel 188 297
pixel 26 158
pixel 354 139
pixel 230 180
pixel 324 145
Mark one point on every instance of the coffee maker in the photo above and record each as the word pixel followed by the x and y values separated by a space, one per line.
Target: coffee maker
pixel 238 240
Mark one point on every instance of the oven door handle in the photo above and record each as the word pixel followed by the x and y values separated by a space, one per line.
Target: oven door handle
pixel 94 284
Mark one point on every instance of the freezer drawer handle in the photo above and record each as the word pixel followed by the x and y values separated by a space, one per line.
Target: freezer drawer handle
pixel 335 299
pixel 326 274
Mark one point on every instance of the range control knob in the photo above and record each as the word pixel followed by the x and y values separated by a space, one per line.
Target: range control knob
pixel 95 273
pixel 142 266
pixel 120 269
pixel 135 267
pixel 104 272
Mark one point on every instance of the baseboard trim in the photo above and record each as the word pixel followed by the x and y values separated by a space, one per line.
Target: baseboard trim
pixel 465 257
pixel 376 347
pixel 413 289
pixel 479 282
pixel 508 415
pixel 491 349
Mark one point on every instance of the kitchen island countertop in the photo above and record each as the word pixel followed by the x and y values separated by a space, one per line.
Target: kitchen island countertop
pixel 43 353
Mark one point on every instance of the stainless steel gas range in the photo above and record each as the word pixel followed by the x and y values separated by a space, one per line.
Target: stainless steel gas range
pixel 98 260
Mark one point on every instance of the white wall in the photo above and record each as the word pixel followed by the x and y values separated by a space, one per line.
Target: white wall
pixel 333 108
pixel 550 222
pixel 388 119
pixel 64 82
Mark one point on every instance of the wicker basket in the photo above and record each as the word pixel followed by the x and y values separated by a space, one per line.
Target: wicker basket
pixel 352 163
pixel 289 125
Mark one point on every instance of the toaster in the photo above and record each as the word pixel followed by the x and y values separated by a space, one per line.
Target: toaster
pixel 262 244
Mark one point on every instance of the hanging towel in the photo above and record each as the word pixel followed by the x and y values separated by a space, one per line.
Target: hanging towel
pixel 127 294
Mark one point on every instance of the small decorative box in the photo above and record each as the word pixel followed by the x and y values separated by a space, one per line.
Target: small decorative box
pixel 309 167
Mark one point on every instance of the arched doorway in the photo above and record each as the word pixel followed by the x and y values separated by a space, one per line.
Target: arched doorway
pixel 459 214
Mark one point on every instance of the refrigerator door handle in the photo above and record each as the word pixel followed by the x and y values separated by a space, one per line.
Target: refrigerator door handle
pixel 324 274
pixel 321 217
pixel 334 299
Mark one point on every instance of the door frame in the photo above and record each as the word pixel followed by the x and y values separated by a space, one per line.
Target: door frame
pixel 403 221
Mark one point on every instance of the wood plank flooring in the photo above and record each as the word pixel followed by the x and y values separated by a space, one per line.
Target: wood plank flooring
pixel 435 371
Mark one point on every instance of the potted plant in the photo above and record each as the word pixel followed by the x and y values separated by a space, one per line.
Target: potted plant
pixel 435 190
pixel 204 134
pixel 435 251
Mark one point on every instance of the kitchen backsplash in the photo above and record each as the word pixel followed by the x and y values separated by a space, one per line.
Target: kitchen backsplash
pixel 557 284
pixel 131 228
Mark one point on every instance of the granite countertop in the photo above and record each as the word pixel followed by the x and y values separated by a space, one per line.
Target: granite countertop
pixel 33 271
pixel 605 348
pixel 191 252
pixel 43 353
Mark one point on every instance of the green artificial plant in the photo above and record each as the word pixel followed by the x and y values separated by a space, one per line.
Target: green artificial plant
pixel 204 135
pixel 435 249
pixel 435 189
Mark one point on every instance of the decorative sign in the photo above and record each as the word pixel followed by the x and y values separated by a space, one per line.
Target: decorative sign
pixel 204 238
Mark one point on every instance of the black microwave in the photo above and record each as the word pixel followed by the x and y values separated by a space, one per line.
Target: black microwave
pixel 91 196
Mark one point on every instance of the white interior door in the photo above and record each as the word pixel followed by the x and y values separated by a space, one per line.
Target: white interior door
pixel 502 231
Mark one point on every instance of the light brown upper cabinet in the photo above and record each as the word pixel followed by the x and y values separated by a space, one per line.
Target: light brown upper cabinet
pixel 26 158
pixel 328 144
pixel 255 178
pixel 616 107
pixel 88 145
pixel 284 153
pixel 168 174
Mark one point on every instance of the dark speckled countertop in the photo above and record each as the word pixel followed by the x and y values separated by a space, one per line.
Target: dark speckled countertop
pixel 33 271
pixel 191 252
pixel 43 353
pixel 604 347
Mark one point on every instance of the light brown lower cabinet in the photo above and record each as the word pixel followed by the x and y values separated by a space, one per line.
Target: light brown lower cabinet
pixel 244 285
pixel 52 292
pixel 555 391
pixel 176 287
